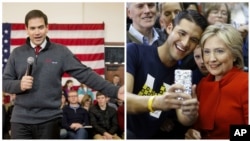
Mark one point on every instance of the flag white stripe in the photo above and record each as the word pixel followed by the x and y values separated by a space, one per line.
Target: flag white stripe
pixel 81 49
pixel 76 34
pixel 96 64
pixel 62 34
pixel 86 49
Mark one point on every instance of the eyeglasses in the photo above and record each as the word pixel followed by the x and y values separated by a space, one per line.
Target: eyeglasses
pixel 218 12
pixel 73 96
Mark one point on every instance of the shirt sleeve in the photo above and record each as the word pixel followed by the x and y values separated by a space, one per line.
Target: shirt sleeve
pixel 132 57
pixel 86 75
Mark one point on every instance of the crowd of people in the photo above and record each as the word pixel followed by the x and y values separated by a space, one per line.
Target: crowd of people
pixel 202 37
pixel 211 39
pixel 80 119
pixel 84 114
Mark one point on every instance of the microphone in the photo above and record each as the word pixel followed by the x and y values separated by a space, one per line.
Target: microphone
pixel 30 61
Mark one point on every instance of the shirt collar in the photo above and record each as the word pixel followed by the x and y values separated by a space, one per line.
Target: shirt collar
pixel 135 33
pixel 42 45
pixel 141 37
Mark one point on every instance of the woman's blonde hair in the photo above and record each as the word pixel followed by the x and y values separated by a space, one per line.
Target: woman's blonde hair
pixel 215 6
pixel 230 36
pixel 86 98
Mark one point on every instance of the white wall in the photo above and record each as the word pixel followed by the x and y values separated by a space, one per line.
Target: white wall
pixel 112 14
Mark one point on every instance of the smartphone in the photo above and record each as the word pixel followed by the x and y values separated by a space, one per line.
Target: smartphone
pixel 184 77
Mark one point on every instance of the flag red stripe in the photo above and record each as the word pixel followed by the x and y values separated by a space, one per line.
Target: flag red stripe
pixel 17 26
pixel 65 26
pixel 90 57
pixel 91 41
pixel 18 42
pixel 76 27
pixel 98 71
pixel 77 42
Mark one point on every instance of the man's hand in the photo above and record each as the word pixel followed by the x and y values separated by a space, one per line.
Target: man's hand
pixel 170 99
pixel 192 134
pixel 107 135
pixel 76 126
pixel 120 94
pixel 190 107
pixel 26 82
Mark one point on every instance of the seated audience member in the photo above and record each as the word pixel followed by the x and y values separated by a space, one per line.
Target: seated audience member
pixel 116 80
pixel 75 118
pixel 68 86
pixel 120 115
pixel 86 102
pixel 63 132
pixel 64 101
pixel 4 122
pixel 9 113
pixel 103 118
pixel 224 92
pixel 82 90
pixel 111 104
pixel 201 71
pixel 119 103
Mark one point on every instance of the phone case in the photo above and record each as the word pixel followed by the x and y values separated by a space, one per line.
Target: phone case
pixel 184 77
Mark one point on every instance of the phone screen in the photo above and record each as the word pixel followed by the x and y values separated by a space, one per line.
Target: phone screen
pixel 184 77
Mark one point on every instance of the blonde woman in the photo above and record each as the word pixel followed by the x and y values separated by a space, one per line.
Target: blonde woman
pixel 223 94
pixel 86 102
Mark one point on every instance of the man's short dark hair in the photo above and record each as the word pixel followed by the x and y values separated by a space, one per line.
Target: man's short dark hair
pixel 35 14
pixel 193 16
pixel 99 94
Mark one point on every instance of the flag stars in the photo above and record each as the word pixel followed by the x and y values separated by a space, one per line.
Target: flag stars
pixel 5 60
pixel 6 31
pixel 6 41
pixel 5 51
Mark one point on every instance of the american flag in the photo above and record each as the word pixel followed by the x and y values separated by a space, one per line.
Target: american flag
pixel 86 41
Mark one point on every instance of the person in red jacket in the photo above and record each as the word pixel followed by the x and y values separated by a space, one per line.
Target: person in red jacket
pixel 120 116
pixel 223 94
